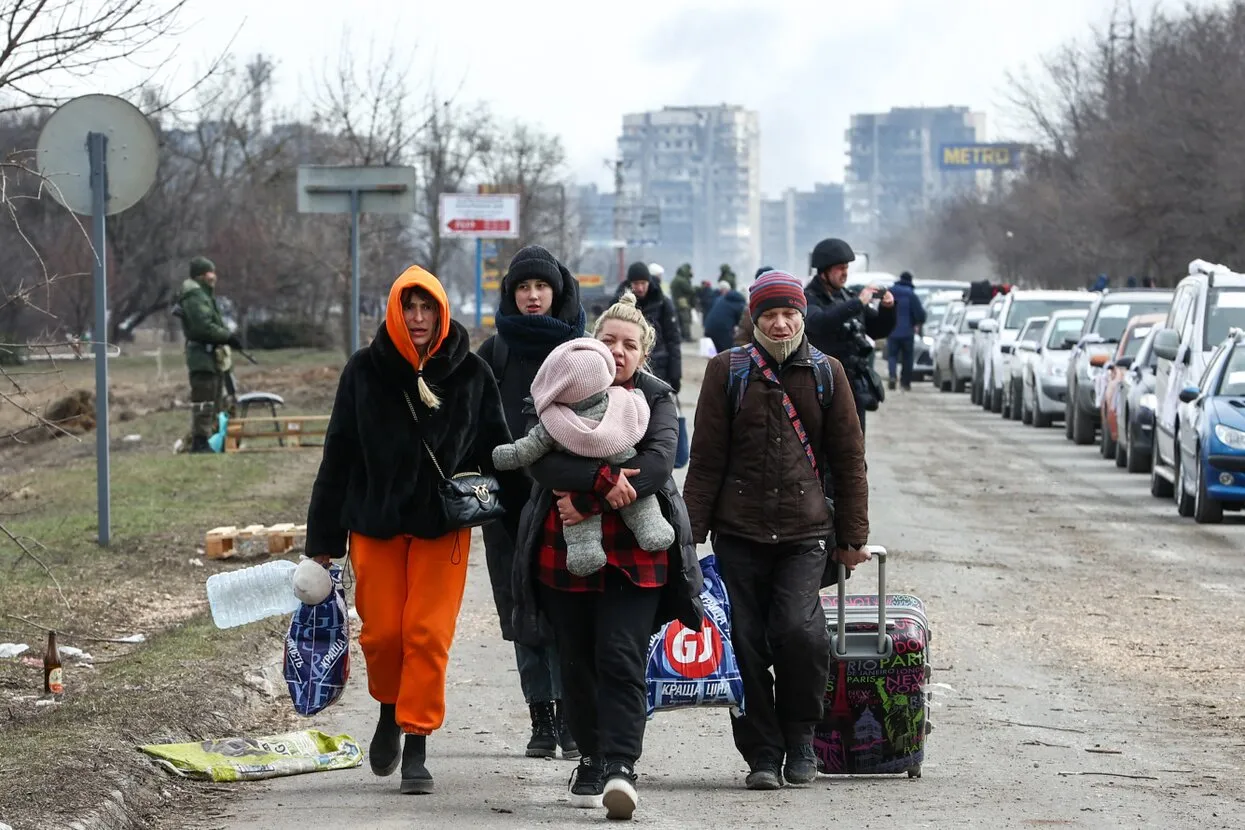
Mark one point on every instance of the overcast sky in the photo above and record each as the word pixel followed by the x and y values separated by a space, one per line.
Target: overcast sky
pixel 576 66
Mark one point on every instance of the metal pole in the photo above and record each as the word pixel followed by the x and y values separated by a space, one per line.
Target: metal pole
pixel 479 281
pixel 354 270
pixel 97 150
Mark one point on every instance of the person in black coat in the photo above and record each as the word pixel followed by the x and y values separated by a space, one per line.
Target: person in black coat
pixel 604 621
pixel 666 359
pixel 838 318
pixel 540 309
pixel 413 408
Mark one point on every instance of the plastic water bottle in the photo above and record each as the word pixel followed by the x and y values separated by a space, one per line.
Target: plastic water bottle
pixel 255 593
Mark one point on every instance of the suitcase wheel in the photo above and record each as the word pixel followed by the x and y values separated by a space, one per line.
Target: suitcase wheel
pixel 914 772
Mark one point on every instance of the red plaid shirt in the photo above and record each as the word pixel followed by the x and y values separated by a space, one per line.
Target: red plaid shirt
pixel 645 569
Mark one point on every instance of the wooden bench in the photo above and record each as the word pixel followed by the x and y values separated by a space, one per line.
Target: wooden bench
pixel 289 431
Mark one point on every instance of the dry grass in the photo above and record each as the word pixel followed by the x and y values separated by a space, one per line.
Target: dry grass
pixel 185 681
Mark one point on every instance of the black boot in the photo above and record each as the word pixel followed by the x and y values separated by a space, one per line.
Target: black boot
pixel 570 750
pixel 544 742
pixel 199 444
pixel 416 779
pixel 386 742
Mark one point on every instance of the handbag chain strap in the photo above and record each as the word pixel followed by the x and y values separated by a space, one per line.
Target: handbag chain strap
pixel 411 406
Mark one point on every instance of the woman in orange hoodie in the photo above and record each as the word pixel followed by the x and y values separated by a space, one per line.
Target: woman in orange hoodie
pixel 417 388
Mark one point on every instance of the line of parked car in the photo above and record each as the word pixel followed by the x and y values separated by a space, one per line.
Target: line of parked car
pixel 1155 377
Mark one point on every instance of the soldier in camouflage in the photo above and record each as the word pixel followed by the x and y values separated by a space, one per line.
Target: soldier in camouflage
pixel 208 350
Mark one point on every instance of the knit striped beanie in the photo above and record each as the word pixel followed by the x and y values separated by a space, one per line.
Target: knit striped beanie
pixel 775 289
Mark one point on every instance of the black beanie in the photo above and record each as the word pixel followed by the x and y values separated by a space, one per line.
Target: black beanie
pixel 638 272
pixel 534 263
pixel 905 277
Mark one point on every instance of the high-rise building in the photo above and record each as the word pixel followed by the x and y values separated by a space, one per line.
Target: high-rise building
pixel 794 223
pixel 893 171
pixel 691 188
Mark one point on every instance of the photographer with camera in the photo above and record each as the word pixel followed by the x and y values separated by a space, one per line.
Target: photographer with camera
pixel 844 324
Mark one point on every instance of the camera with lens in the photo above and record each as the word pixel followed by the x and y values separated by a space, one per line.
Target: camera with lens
pixel 861 345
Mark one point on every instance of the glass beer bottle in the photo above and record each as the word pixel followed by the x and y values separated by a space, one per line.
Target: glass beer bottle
pixel 53 674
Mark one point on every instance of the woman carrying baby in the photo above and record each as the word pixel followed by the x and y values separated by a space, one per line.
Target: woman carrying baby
pixel 604 609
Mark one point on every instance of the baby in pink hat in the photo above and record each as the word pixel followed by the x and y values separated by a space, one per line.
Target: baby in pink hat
pixel 583 413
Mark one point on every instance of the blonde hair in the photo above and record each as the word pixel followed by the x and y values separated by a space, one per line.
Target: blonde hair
pixel 627 311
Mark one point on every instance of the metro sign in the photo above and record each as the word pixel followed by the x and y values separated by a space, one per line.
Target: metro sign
pixel 479 215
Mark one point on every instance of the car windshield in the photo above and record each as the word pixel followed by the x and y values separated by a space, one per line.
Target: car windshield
pixel 1033 333
pixel 1232 383
pixel 1225 309
pixel 1135 338
pixel 934 313
pixel 1113 317
pixel 1022 310
pixel 1064 328
pixel 976 313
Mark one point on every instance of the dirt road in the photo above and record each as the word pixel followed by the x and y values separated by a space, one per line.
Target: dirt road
pixel 1088 668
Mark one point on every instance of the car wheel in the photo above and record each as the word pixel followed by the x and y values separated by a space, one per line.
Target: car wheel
pixel 1082 427
pixel 1018 401
pixel 1160 487
pixel 1138 462
pixel 1121 454
pixel 1041 419
pixel 1067 414
pixel 1206 511
pixel 1005 405
pixel 958 384
pixel 1184 501
pixel 1026 408
pixel 996 399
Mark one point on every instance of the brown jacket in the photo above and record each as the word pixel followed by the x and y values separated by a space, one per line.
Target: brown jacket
pixel 749 476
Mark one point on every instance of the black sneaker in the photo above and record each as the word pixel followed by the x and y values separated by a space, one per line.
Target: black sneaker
pixel 619 796
pixel 587 784
pixel 801 767
pixel 766 774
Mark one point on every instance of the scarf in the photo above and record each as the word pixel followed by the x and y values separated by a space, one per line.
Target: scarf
pixel 780 350
pixel 534 336
pixel 621 427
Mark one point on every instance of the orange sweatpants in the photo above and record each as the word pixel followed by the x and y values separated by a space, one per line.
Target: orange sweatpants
pixel 408 593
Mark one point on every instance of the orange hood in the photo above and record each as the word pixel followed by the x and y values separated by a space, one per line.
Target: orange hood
pixel 395 323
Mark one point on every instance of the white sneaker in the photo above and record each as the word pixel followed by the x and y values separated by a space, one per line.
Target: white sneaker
pixel 620 798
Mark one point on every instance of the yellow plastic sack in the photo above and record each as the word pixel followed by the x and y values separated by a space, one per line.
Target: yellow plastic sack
pixel 251 759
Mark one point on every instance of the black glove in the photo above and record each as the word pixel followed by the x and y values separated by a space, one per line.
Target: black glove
pixel 233 342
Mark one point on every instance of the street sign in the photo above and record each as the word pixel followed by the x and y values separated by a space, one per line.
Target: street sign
pixel 98 154
pixel 355 190
pixel 483 216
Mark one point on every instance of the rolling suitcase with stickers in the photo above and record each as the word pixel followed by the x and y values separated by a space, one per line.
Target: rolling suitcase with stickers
pixel 876 707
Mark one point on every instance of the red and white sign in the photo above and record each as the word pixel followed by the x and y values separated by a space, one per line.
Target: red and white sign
pixel 480 215
pixel 693 654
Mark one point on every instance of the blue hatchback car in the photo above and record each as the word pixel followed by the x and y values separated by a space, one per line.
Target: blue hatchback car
pixel 1210 476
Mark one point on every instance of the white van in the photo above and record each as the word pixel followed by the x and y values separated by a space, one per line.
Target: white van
pixel 1208 303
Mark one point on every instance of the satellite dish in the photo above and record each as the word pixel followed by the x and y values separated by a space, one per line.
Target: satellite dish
pixel 132 156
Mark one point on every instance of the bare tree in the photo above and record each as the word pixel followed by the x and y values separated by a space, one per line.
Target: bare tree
pixel 49 41
pixel 524 160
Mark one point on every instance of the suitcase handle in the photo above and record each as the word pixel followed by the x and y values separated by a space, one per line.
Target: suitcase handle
pixel 838 642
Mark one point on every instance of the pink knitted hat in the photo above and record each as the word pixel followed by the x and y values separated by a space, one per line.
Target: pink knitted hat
pixel 577 369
